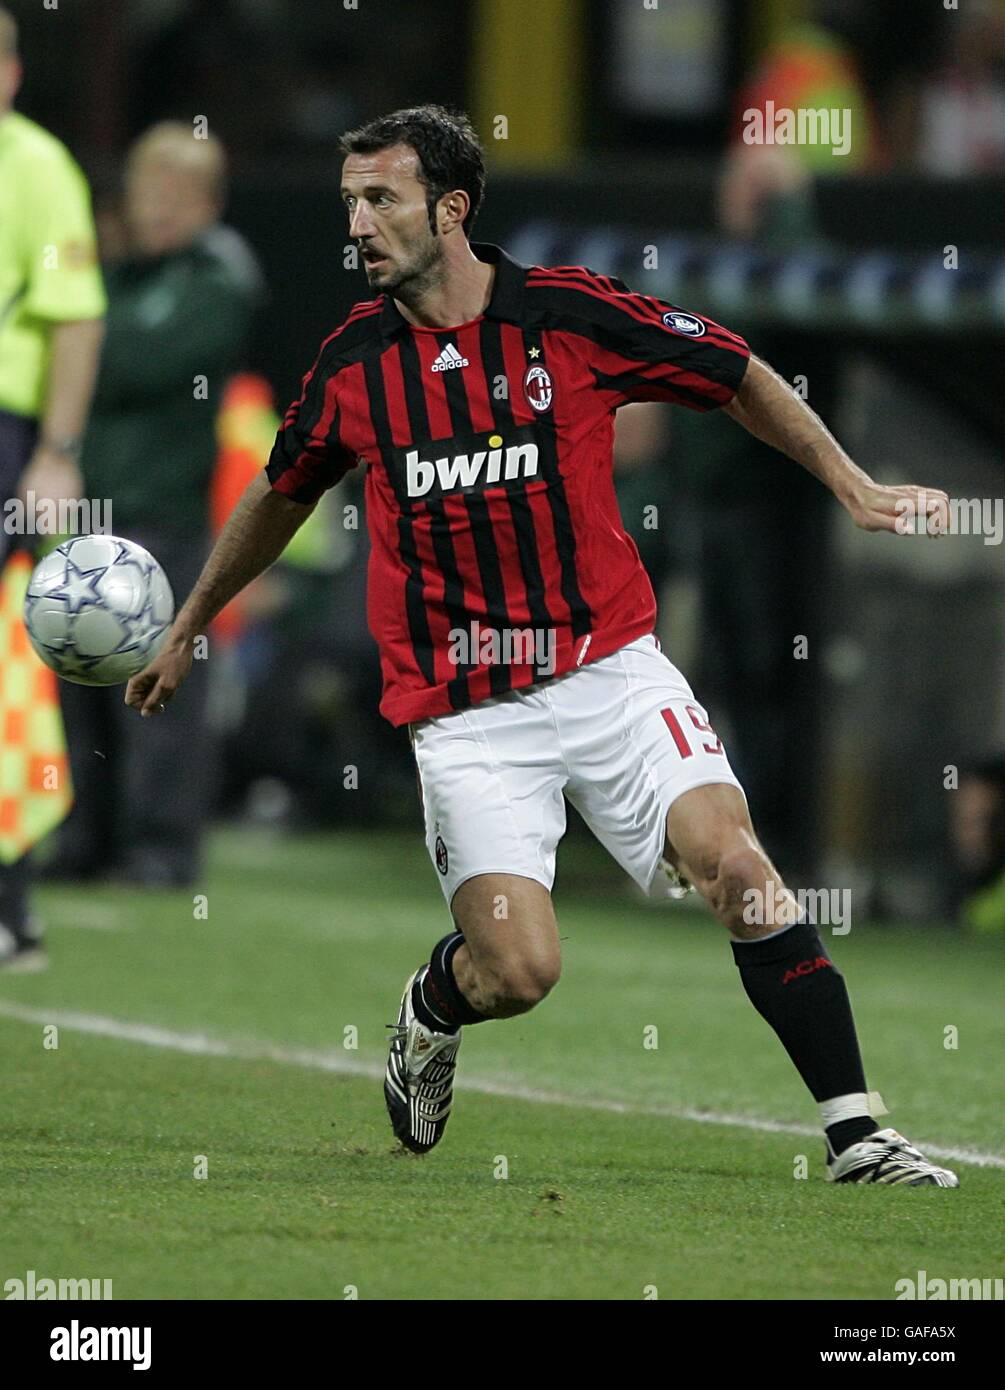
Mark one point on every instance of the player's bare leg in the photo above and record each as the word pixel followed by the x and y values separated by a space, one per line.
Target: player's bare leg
pixel 711 841
pixel 501 961
pixel 791 981
pixel 510 957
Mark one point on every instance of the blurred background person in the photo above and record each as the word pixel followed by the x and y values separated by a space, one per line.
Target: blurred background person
pixel 977 839
pixel 811 65
pixel 645 487
pixel 961 129
pixel 51 307
pixel 181 301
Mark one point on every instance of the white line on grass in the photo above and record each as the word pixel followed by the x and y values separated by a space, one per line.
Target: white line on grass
pixel 202 1045
pixel 90 916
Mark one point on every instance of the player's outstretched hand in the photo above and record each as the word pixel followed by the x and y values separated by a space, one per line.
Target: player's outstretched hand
pixel 153 687
pixel 906 510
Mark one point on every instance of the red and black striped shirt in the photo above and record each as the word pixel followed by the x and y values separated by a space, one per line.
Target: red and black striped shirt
pixel 489 474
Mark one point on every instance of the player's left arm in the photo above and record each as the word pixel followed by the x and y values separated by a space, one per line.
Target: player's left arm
pixel 768 407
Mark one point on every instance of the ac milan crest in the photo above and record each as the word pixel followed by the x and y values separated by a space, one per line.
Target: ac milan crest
pixel 537 388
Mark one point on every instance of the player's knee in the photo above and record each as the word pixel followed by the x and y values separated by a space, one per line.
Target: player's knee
pixel 738 878
pixel 520 985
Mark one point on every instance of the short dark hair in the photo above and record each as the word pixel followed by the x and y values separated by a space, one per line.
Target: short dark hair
pixel 449 152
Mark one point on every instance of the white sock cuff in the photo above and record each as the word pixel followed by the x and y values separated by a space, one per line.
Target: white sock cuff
pixel 856 1105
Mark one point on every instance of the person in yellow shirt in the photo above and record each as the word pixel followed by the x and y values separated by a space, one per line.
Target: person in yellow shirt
pixel 52 305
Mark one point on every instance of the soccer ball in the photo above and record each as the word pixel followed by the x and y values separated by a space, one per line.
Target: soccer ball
pixel 98 609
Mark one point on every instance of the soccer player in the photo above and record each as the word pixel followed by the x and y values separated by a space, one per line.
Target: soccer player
pixel 515 620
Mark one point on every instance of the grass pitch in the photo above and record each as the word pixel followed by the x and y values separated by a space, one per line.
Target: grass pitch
pixel 243 1036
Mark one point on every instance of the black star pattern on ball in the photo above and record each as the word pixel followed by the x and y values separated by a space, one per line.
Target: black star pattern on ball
pixel 79 586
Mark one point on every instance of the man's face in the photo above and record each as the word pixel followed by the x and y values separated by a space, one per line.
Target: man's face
pixel 166 209
pixel 388 217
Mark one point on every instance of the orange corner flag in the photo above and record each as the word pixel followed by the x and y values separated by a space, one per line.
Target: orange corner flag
pixel 35 787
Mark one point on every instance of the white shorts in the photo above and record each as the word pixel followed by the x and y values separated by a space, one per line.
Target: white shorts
pixel 622 739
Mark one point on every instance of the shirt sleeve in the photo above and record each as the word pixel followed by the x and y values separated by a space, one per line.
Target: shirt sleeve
pixel 645 349
pixel 308 457
pixel 64 282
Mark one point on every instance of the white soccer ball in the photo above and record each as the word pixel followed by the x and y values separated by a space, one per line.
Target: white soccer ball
pixel 98 609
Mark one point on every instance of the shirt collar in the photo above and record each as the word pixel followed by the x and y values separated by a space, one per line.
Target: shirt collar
pixel 506 301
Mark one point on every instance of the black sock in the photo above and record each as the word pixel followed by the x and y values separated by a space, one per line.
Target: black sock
pixel 794 986
pixel 436 996
pixel 844 1133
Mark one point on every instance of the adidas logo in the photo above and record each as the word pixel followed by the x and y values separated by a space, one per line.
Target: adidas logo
pixel 448 359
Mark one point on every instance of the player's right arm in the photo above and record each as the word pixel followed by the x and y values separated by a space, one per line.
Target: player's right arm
pixel 307 458
pixel 256 533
